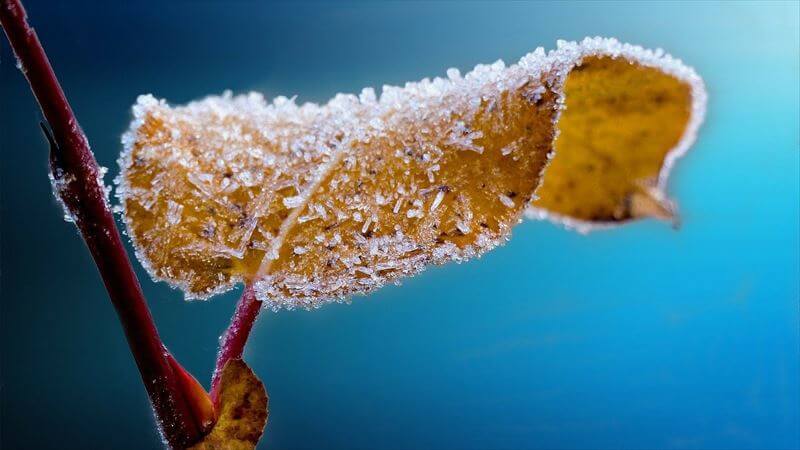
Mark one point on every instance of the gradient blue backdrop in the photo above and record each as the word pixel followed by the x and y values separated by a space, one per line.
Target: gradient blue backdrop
pixel 639 337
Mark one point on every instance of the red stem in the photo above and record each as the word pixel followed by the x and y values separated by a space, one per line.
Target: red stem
pixel 235 337
pixel 73 164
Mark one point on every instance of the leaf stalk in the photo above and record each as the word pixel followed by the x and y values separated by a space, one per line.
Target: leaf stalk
pixel 78 182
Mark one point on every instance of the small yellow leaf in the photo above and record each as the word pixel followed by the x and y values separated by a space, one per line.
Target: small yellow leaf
pixel 312 203
pixel 621 121
pixel 242 410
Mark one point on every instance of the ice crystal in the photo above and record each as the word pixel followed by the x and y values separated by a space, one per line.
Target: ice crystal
pixel 59 182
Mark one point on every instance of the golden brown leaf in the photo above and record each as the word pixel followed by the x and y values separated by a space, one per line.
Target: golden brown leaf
pixel 621 121
pixel 242 410
pixel 313 203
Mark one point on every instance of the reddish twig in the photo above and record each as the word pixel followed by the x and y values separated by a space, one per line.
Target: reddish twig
pixel 235 337
pixel 79 184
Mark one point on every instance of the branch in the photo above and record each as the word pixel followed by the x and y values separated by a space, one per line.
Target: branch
pixel 235 337
pixel 78 182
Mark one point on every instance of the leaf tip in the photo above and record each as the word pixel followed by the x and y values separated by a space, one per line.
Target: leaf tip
pixel 651 203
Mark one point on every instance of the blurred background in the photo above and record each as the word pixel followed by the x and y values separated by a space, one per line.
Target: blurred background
pixel 637 337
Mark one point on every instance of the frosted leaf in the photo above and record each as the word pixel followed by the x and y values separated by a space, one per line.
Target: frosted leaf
pixel 315 203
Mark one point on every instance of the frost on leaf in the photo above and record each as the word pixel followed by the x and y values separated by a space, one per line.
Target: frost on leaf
pixel 242 410
pixel 315 203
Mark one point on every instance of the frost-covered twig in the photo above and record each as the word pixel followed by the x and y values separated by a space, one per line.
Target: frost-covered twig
pixel 78 182
pixel 233 341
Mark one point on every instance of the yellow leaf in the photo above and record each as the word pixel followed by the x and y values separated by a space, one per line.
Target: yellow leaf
pixel 242 410
pixel 621 122
pixel 313 203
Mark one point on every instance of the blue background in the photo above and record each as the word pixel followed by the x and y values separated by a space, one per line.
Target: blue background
pixel 638 337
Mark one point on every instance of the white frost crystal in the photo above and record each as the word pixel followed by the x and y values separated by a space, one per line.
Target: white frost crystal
pixel 506 200
pixel 59 182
